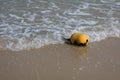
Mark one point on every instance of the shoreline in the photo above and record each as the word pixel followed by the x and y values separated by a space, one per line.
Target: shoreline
pixel 100 60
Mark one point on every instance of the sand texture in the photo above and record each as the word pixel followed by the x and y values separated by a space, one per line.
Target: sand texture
pixel 98 61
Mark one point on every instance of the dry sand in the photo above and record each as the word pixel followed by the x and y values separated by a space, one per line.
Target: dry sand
pixel 98 61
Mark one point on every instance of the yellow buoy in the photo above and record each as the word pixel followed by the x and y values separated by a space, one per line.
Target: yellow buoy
pixel 79 39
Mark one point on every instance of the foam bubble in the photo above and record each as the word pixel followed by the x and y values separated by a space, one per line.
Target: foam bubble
pixel 117 3
pixel 15 16
pixel 76 12
pixel 32 17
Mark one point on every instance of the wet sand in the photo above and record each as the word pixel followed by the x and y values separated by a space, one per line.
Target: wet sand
pixel 98 61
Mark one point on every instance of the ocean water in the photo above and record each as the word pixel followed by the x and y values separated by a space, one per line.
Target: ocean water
pixel 27 24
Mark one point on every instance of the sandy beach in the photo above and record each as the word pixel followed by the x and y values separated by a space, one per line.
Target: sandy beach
pixel 98 61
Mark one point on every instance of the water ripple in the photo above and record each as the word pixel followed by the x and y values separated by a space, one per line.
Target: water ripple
pixel 35 23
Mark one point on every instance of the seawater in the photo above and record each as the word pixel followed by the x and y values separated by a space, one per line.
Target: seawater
pixel 27 24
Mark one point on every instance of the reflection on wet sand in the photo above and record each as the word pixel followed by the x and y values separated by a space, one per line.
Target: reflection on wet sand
pixel 80 51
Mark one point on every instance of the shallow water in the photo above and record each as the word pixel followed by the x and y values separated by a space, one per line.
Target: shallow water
pixel 26 24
